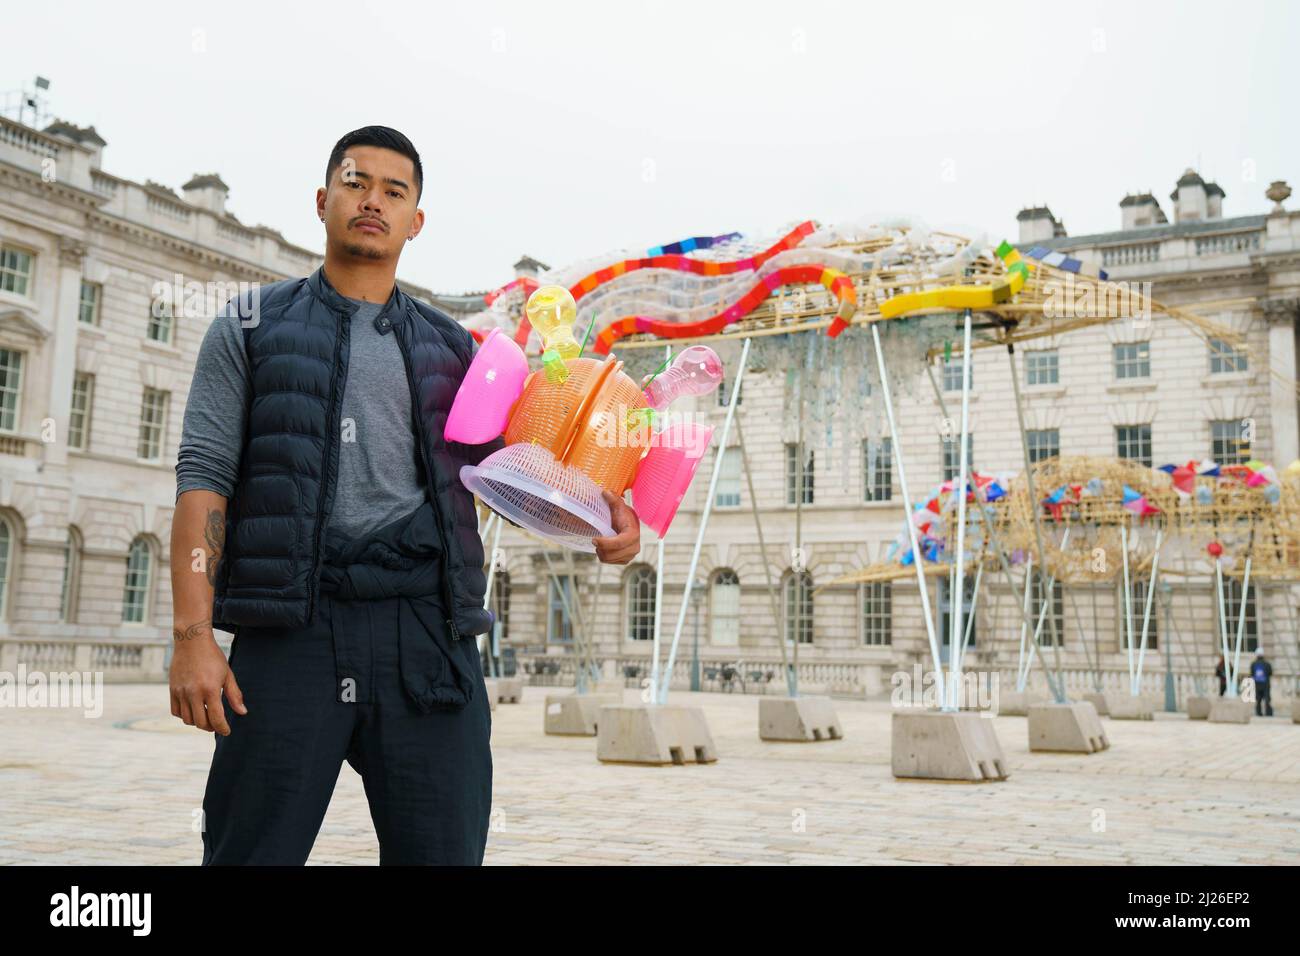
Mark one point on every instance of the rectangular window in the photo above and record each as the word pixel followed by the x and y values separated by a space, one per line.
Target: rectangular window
pixel 153 424
pixel 1132 360
pixel 1232 609
pixel 1134 443
pixel 1228 444
pixel 1224 358
pixel 15 271
pixel 160 322
pixel 1038 585
pixel 724 393
pixel 1043 444
pixel 1042 367
pixel 1138 587
pixel 797 479
pixel 727 494
pixel 559 628
pixel 952 455
pixel 952 376
pixel 11 388
pixel 88 307
pixel 877 600
pixel 83 390
pixel 878 469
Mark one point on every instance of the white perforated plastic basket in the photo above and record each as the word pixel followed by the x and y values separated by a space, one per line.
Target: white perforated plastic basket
pixel 528 486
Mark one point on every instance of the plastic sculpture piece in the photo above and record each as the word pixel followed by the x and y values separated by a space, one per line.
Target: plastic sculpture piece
pixel 576 427
pixel 697 370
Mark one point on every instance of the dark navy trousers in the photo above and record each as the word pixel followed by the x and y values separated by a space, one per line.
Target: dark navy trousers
pixel 334 691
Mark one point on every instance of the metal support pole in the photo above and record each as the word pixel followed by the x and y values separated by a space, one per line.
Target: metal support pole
pixel 704 524
pixel 917 559
pixel 791 677
pixel 1059 691
pixel 659 596
pixel 1135 679
pixel 494 648
pixel 959 570
pixel 997 543
pixel 1230 688
pixel 1241 622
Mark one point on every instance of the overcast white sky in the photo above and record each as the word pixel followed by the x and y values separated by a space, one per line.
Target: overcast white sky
pixel 566 129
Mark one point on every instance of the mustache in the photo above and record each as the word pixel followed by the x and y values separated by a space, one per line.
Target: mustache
pixel 356 219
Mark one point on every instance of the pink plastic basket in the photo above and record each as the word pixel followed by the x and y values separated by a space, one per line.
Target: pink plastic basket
pixel 490 388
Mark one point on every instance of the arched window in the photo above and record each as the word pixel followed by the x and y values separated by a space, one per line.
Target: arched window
pixel 6 562
pixel 139 571
pixel 501 604
pixel 641 603
pixel 797 596
pixel 724 608
pixel 71 576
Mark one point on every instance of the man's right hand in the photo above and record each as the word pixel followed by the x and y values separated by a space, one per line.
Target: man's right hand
pixel 199 674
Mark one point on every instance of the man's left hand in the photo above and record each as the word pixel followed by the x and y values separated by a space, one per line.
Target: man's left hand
pixel 626 542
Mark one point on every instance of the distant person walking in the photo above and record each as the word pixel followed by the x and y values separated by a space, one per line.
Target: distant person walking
pixel 1262 672
pixel 1222 674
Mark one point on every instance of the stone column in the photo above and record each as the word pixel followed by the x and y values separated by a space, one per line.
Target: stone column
pixel 63 347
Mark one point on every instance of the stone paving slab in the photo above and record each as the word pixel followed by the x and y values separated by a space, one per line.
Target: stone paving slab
pixel 126 787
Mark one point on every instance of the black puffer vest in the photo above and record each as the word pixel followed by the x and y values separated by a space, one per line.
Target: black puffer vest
pixel 298 357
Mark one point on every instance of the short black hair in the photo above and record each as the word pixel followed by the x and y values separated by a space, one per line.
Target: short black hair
pixel 384 137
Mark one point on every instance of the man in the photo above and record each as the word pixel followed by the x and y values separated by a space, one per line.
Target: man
pixel 320 517
pixel 1261 672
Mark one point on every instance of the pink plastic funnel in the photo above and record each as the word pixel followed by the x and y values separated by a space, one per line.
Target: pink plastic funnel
pixel 666 472
pixel 491 385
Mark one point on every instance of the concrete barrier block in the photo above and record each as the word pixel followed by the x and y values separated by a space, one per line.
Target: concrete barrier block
pixel 798 718
pixel 654 734
pixel 1067 728
pixel 1127 707
pixel 510 690
pixel 1015 703
pixel 1099 701
pixel 576 715
pixel 938 745
pixel 1230 710
pixel 1198 707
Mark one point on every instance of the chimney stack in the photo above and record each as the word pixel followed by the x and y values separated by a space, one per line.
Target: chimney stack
pixel 208 192
pixel 1190 198
pixel 1037 223
pixel 1139 210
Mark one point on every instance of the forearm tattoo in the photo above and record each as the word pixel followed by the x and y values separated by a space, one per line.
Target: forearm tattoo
pixel 214 533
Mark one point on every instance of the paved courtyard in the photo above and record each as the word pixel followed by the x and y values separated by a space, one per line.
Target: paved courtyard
pixel 125 788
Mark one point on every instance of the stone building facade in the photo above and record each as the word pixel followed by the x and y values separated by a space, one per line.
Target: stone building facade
pixel 93 379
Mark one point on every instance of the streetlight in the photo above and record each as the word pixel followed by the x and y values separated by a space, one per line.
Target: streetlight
pixel 697 598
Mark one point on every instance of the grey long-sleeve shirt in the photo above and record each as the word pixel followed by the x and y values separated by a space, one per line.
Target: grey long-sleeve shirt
pixel 379 477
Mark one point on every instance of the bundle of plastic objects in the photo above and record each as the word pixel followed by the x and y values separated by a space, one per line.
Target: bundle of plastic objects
pixel 577 426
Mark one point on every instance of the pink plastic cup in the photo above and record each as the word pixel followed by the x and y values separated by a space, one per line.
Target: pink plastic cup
pixel 489 390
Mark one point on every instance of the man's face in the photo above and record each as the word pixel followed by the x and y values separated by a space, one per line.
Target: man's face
pixel 369 204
